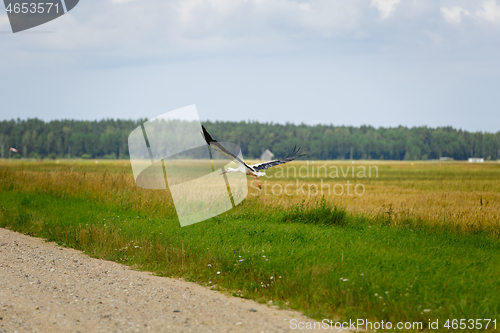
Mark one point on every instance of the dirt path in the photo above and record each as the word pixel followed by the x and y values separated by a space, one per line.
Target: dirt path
pixel 46 288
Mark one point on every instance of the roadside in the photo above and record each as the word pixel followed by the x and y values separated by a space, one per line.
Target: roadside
pixel 46 288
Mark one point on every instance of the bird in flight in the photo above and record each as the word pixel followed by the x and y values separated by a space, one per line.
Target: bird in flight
pixel 254 170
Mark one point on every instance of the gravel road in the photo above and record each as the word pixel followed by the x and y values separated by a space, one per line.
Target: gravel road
pixel 46 288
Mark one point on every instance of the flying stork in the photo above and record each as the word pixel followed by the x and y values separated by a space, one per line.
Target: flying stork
pixel 254 170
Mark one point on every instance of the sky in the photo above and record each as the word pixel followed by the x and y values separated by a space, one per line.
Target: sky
pixel 352 62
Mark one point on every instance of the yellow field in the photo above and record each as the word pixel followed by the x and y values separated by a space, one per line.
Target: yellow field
pixel 459 194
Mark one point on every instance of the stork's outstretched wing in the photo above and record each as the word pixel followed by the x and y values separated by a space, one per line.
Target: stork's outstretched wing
pixel 266 165
pixel 220 148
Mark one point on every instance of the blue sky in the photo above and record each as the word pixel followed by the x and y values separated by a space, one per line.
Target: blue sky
pixel 352 62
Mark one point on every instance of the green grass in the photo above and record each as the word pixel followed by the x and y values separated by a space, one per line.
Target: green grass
pixel 317 259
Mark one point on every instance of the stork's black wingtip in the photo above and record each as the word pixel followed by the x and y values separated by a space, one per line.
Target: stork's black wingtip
pixel 206 135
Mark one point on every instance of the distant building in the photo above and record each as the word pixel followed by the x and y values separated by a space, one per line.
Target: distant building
pixel 266 155
pixel 476 160
pixel 446 158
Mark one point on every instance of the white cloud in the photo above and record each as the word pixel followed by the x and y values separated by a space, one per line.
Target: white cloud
pixel 490 11
pixel 385 7
pixel 156 29
pixel 454 14
pixel 320 16
pixel 4 20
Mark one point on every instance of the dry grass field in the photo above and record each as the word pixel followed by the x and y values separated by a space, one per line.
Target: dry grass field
pixel 459 195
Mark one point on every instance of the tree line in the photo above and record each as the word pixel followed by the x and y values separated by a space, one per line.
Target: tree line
pixel 108 138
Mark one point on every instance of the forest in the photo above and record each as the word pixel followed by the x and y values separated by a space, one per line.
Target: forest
pixel 108 138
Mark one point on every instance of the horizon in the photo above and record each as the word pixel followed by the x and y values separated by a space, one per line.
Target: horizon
pixel 109 138
pixel 263 123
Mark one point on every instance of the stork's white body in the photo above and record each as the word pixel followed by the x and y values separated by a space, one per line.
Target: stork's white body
pixel 247 171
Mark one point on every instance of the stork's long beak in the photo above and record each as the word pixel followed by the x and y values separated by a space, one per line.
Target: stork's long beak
pixel 223 172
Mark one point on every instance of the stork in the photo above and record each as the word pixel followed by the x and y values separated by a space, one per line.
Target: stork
pixel 254 170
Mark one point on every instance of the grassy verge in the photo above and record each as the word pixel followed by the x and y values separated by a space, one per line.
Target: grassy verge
pixel 316 259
